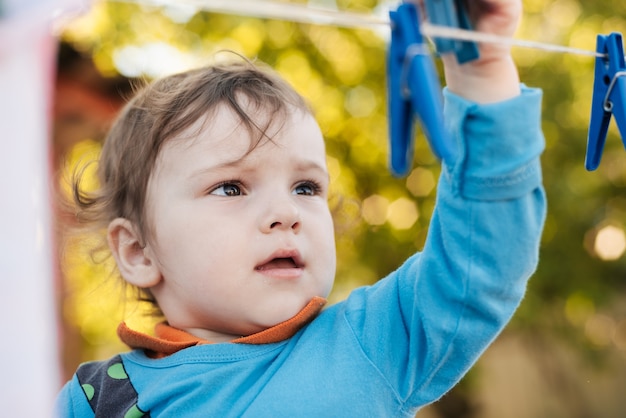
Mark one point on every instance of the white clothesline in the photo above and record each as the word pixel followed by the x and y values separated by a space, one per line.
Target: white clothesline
pixel 271 9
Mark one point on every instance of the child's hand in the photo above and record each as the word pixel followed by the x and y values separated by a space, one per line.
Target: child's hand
pixel 493 77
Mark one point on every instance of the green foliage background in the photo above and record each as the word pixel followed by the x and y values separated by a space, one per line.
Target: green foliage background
pixel 575 294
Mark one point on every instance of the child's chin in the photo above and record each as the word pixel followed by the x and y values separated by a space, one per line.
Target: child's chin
pixel 284 312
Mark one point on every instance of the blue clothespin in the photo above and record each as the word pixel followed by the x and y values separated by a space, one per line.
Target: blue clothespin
pixel 413 90
pixel 609 95
pixel 452 13
pixel 413 83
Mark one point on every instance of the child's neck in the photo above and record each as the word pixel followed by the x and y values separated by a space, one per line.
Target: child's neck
pixel 169 340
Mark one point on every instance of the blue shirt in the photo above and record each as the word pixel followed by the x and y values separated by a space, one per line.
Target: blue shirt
pixel 402 343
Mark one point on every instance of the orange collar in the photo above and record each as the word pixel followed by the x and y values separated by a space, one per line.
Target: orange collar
pixel 169 340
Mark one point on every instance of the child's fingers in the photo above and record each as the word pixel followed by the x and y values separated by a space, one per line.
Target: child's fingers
pixel 492 16
pixel 420 5
pixel 499 17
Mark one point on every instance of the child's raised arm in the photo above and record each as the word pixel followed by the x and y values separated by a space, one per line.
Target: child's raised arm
pixel 427 323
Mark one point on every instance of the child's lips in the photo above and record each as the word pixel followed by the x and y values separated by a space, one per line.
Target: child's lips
pixel 278 263
pixel 282 264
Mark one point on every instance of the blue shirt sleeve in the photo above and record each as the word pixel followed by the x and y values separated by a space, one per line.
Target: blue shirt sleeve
pixel 440 310
pixel 72 401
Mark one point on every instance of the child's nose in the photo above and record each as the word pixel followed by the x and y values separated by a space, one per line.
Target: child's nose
pixel 281 215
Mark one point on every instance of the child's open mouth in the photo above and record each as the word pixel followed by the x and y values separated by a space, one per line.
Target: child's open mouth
pixel 282 264
pixel 278 263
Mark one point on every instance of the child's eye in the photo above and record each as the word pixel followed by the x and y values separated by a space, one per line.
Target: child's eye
pixel 307 188
pixel 227 189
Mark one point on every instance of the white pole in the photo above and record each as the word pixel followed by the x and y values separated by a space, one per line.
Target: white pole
pixel 29 357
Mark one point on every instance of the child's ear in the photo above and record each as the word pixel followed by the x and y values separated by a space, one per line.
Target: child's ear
pixel 134 261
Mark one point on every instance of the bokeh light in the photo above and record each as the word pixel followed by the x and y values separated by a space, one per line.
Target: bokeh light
pixel 610 243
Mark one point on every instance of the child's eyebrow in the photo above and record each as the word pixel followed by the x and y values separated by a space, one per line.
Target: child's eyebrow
pixel 309 165
pixel 242 164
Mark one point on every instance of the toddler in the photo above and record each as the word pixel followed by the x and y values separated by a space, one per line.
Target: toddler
pixel 213 194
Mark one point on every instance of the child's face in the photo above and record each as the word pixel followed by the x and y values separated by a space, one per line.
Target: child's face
pixel 242 240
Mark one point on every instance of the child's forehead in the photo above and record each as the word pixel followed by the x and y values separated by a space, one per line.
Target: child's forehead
pixel 250 123
pixel 222 132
